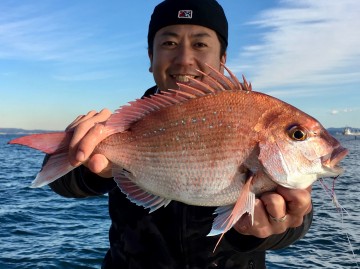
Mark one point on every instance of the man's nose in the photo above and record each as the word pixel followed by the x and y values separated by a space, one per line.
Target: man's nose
pixel 184 55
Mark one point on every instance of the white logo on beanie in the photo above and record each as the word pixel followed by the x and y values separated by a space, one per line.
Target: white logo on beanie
pixel 185 14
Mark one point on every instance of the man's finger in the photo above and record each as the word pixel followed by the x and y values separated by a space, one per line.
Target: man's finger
pixel 100 165
pixel 298 202
pixel 86 136
pixel 275 205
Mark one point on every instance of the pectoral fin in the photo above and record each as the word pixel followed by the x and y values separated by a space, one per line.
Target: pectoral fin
pixel 227 216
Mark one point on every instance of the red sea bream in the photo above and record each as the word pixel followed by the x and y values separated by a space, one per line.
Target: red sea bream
pixel 213 142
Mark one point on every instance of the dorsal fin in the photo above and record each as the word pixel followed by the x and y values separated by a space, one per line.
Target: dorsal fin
pixel 212 83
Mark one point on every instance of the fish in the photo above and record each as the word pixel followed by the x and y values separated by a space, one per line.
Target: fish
pixel 213 142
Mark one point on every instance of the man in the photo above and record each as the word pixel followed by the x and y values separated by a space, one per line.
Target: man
pixel 183 36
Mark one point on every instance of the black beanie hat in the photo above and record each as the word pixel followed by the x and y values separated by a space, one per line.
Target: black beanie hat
pixel 207 13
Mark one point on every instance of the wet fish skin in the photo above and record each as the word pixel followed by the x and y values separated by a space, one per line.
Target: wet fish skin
pixel 215 137
pixel 211 143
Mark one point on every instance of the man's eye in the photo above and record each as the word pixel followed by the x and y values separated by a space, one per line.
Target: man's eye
pixel 168 43
pixel 200 45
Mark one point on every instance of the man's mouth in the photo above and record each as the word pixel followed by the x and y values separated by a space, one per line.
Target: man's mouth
pixel 183 78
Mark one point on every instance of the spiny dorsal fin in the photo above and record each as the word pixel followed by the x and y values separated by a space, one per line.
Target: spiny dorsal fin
pixel 212 83
pixel 215 81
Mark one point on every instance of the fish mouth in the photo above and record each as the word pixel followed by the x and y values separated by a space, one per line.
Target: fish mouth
pixel 331 160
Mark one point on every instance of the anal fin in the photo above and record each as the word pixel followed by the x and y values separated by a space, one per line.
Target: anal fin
pixel 136 194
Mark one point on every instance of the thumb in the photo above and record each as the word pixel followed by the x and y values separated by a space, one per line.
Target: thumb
pixel 100 165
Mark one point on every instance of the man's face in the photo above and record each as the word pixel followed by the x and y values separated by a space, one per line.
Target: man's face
pixel 178 50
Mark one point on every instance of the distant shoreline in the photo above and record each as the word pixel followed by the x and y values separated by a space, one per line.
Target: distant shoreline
pixel 19 131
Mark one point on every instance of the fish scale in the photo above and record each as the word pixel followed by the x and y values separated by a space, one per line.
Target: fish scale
pixel 173 154
pixel 213 142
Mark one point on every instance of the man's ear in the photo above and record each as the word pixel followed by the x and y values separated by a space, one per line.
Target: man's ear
pixel 151 60
pixel 223 61
pixel 223 58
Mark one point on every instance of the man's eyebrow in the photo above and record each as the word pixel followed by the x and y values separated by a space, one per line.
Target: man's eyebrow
pixel 169 33
pixel 201 34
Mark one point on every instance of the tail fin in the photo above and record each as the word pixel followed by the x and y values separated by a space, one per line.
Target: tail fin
pixel 49 143
pixel 54 144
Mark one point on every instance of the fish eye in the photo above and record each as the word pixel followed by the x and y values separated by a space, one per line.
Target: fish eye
pixel 298 134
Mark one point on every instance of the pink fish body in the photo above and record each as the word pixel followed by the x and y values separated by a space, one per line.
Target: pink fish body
pixel 210 143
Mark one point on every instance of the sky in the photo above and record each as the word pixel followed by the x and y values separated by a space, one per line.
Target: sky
pixel 60 59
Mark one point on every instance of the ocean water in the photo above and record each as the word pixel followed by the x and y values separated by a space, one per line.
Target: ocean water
pixel 39 229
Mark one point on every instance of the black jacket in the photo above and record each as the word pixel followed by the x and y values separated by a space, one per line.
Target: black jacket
pixel 171 237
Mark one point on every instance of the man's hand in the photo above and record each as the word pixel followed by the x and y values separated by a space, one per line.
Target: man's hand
pixel 277 211
pixel 88 133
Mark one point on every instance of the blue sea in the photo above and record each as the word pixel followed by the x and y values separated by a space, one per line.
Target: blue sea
pixel 39 229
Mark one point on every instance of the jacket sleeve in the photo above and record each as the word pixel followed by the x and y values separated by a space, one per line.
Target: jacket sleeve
pixel 246 243
pixel 80 183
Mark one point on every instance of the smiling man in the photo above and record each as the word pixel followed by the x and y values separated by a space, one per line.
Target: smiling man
pixel 178 50
pixel 183 36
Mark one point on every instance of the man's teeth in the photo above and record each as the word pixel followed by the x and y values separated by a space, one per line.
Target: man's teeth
pixel 183 78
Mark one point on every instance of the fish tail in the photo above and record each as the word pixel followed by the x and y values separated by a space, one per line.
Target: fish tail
pixel 56 145
pixel 48 143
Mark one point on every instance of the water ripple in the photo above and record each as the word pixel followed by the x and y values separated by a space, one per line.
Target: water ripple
pixel 40 229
